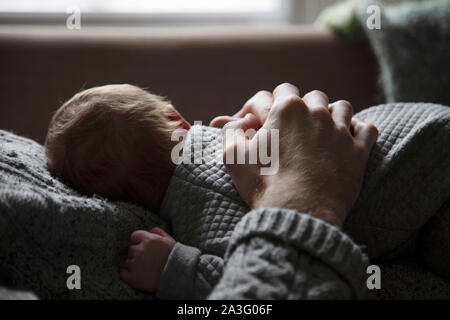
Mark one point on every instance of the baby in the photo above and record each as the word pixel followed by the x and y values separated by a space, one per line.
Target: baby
pixel 116 141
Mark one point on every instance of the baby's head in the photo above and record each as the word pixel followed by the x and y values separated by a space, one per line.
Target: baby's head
pixel 115 141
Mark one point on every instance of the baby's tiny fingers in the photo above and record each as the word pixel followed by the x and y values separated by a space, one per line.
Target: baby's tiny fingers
pixel 138 236
pixel 127 265
pixel 132 252
pixel 159 232
pixel 125 275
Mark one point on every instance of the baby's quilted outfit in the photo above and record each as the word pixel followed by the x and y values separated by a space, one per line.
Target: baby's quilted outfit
pixel 406 187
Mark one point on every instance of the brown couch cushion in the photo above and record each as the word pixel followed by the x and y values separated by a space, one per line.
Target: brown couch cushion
pixel 205 72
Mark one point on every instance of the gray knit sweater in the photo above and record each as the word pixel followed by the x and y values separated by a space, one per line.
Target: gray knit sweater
pixel 277 253
pixel 225 251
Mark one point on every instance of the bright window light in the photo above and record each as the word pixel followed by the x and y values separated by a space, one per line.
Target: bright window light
pixel 143 6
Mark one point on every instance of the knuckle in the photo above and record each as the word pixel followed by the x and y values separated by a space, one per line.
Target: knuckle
pixel 316 93
pixel 342 131
pixel 253 101
pixel 147 243
pixel 322 115
pixel 345 105
pixel 263 93
pixel 359 125
pixel 372 129
pixel 215 121
pixel 286 107
pixel 277 108
pixel 292 100
pixel 250 103
pixel 135 234
pixel 227 126
pixel 284 84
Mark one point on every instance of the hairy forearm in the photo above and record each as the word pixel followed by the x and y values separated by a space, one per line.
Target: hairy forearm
pixel 289 197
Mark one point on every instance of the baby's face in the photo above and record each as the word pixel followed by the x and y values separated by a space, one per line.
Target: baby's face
pixel 148 165
pixel 147 171
pixel 115 141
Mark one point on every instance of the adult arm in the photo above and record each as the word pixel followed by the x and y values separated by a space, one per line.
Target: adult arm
pixel 299 251
pixel 282 254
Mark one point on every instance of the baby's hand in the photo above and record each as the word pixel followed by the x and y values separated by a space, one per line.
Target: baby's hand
pixel 147 257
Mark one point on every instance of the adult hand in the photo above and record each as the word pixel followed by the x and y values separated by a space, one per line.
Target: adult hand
pixel 259 105
pixel 323 152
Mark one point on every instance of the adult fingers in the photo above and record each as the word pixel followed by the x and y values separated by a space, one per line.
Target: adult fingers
pixel 287 106
pixel 316 100
pixel 249 121
pixel 259 105
pixel 219 122
pixel 365 134
pixel 236 135
pixel 342 113
pixel 284 91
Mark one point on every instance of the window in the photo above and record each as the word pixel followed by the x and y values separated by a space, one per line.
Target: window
pixel 143 6
pixel 162 11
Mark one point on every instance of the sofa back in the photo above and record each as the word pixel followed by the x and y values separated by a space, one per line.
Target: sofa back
pixel 204 72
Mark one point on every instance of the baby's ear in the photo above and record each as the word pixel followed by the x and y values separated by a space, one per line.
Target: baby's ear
pixel 174 115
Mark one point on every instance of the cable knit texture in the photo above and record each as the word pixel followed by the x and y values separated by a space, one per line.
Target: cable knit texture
pixel 202 206
pixel 45 226
pixel 324 247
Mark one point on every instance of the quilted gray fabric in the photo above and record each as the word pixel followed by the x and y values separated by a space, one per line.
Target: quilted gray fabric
pixel 202 207
pixel 46 226
pixel 406 183
pixel 407 178
pixel 210 205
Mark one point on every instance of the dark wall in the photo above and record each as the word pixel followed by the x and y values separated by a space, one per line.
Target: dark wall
pixel 204 72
